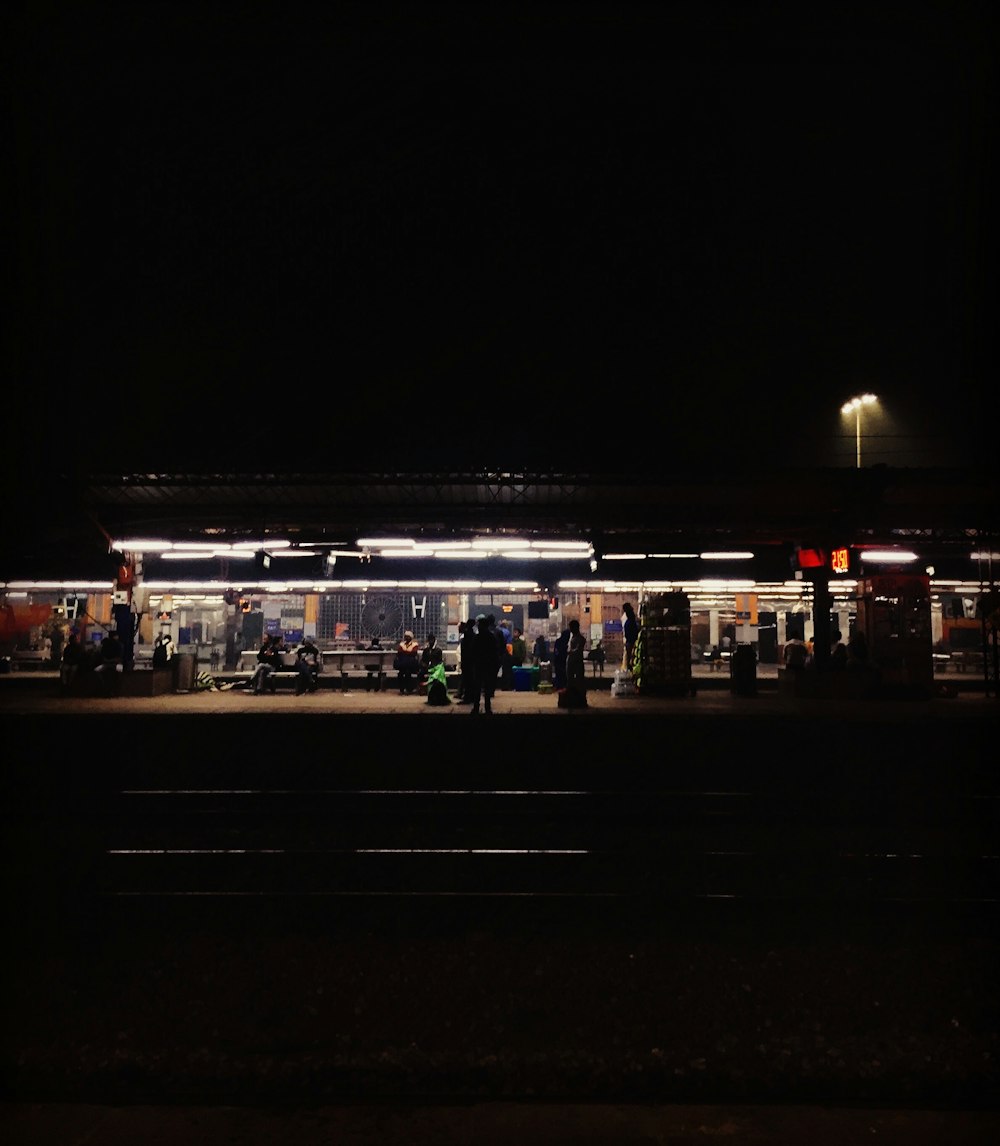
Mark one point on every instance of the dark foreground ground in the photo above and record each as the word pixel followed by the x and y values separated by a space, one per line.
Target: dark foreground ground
pixel 668 1015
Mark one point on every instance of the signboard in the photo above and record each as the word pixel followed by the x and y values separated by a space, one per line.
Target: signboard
pixel 840 560
pixel 746 608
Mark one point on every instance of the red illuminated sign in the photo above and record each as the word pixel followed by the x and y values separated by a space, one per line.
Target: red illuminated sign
pixel 840 560
pixel 810 558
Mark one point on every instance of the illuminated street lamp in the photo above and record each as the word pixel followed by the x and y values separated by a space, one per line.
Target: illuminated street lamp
pixel 854 407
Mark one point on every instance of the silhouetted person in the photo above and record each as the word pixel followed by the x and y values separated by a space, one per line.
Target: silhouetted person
pixel 857 651
pixel 467 633
pixel 503 651
pixel 630 634
pixel 407 663
pixel 575 676
pixel 72 658
pixel 559 650
pixel 431 655
pixel 163 651
pixel 518 649
pixel 795 653
pixel 109 662
pixel 486 663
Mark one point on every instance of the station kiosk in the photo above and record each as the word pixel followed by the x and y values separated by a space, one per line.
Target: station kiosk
pixel 894 614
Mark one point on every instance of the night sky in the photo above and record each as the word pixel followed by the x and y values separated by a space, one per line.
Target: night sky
pixel 592 235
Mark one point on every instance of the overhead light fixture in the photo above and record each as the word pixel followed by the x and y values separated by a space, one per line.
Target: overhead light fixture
pixel 383 542
pixel 735 555
pixel 499 543
pixel 142 545
pixel 888 556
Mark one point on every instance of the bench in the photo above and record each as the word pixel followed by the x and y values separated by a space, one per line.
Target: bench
pixel 336 665
pixel 31 658
pixel 966 660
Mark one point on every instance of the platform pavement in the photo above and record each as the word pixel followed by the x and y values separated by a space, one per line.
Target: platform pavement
pixel 38 692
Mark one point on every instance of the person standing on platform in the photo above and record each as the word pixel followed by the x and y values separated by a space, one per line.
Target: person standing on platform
pixel 467 674
pixel 72 657
pixel 486 659
pixel 407 663
pixel 576 681
pixel 540 649
pixel 518 649
pixel 630 634
pixel 503 649
pixel 559 650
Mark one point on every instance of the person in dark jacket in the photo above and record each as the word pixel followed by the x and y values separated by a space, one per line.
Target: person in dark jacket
pixel 486 662
pixel 630 634
pixel 307 662
pixel 559 651
pixel 466 643
pixel 109 662
pixel 269 659
pixel 431 655
pixel 503 651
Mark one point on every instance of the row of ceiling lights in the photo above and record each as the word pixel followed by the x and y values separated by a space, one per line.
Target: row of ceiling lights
pixel 469 550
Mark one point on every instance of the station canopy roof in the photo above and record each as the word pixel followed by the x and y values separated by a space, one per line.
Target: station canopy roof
pixel 72 519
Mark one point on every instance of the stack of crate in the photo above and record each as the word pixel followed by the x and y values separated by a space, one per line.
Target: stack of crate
pixel 665 644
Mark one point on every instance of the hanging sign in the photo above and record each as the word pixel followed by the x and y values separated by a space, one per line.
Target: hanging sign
pixel 746 608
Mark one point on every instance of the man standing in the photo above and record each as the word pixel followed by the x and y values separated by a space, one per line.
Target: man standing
pixel 486 661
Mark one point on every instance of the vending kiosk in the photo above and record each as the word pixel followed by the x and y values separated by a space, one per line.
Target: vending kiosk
pixel 894 614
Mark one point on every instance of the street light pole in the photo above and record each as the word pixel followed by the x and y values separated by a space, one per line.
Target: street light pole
pixel 854 407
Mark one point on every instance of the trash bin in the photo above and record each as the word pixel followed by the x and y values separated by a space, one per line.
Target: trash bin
pixel 184 671
pixel 523 678
pixel 743 671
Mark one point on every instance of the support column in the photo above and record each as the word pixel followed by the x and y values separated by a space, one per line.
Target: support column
pixel 822 604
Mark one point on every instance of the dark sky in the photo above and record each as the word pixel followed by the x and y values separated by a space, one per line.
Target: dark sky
pixel 488 235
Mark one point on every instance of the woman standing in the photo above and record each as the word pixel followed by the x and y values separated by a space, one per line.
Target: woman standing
pixel 407 663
